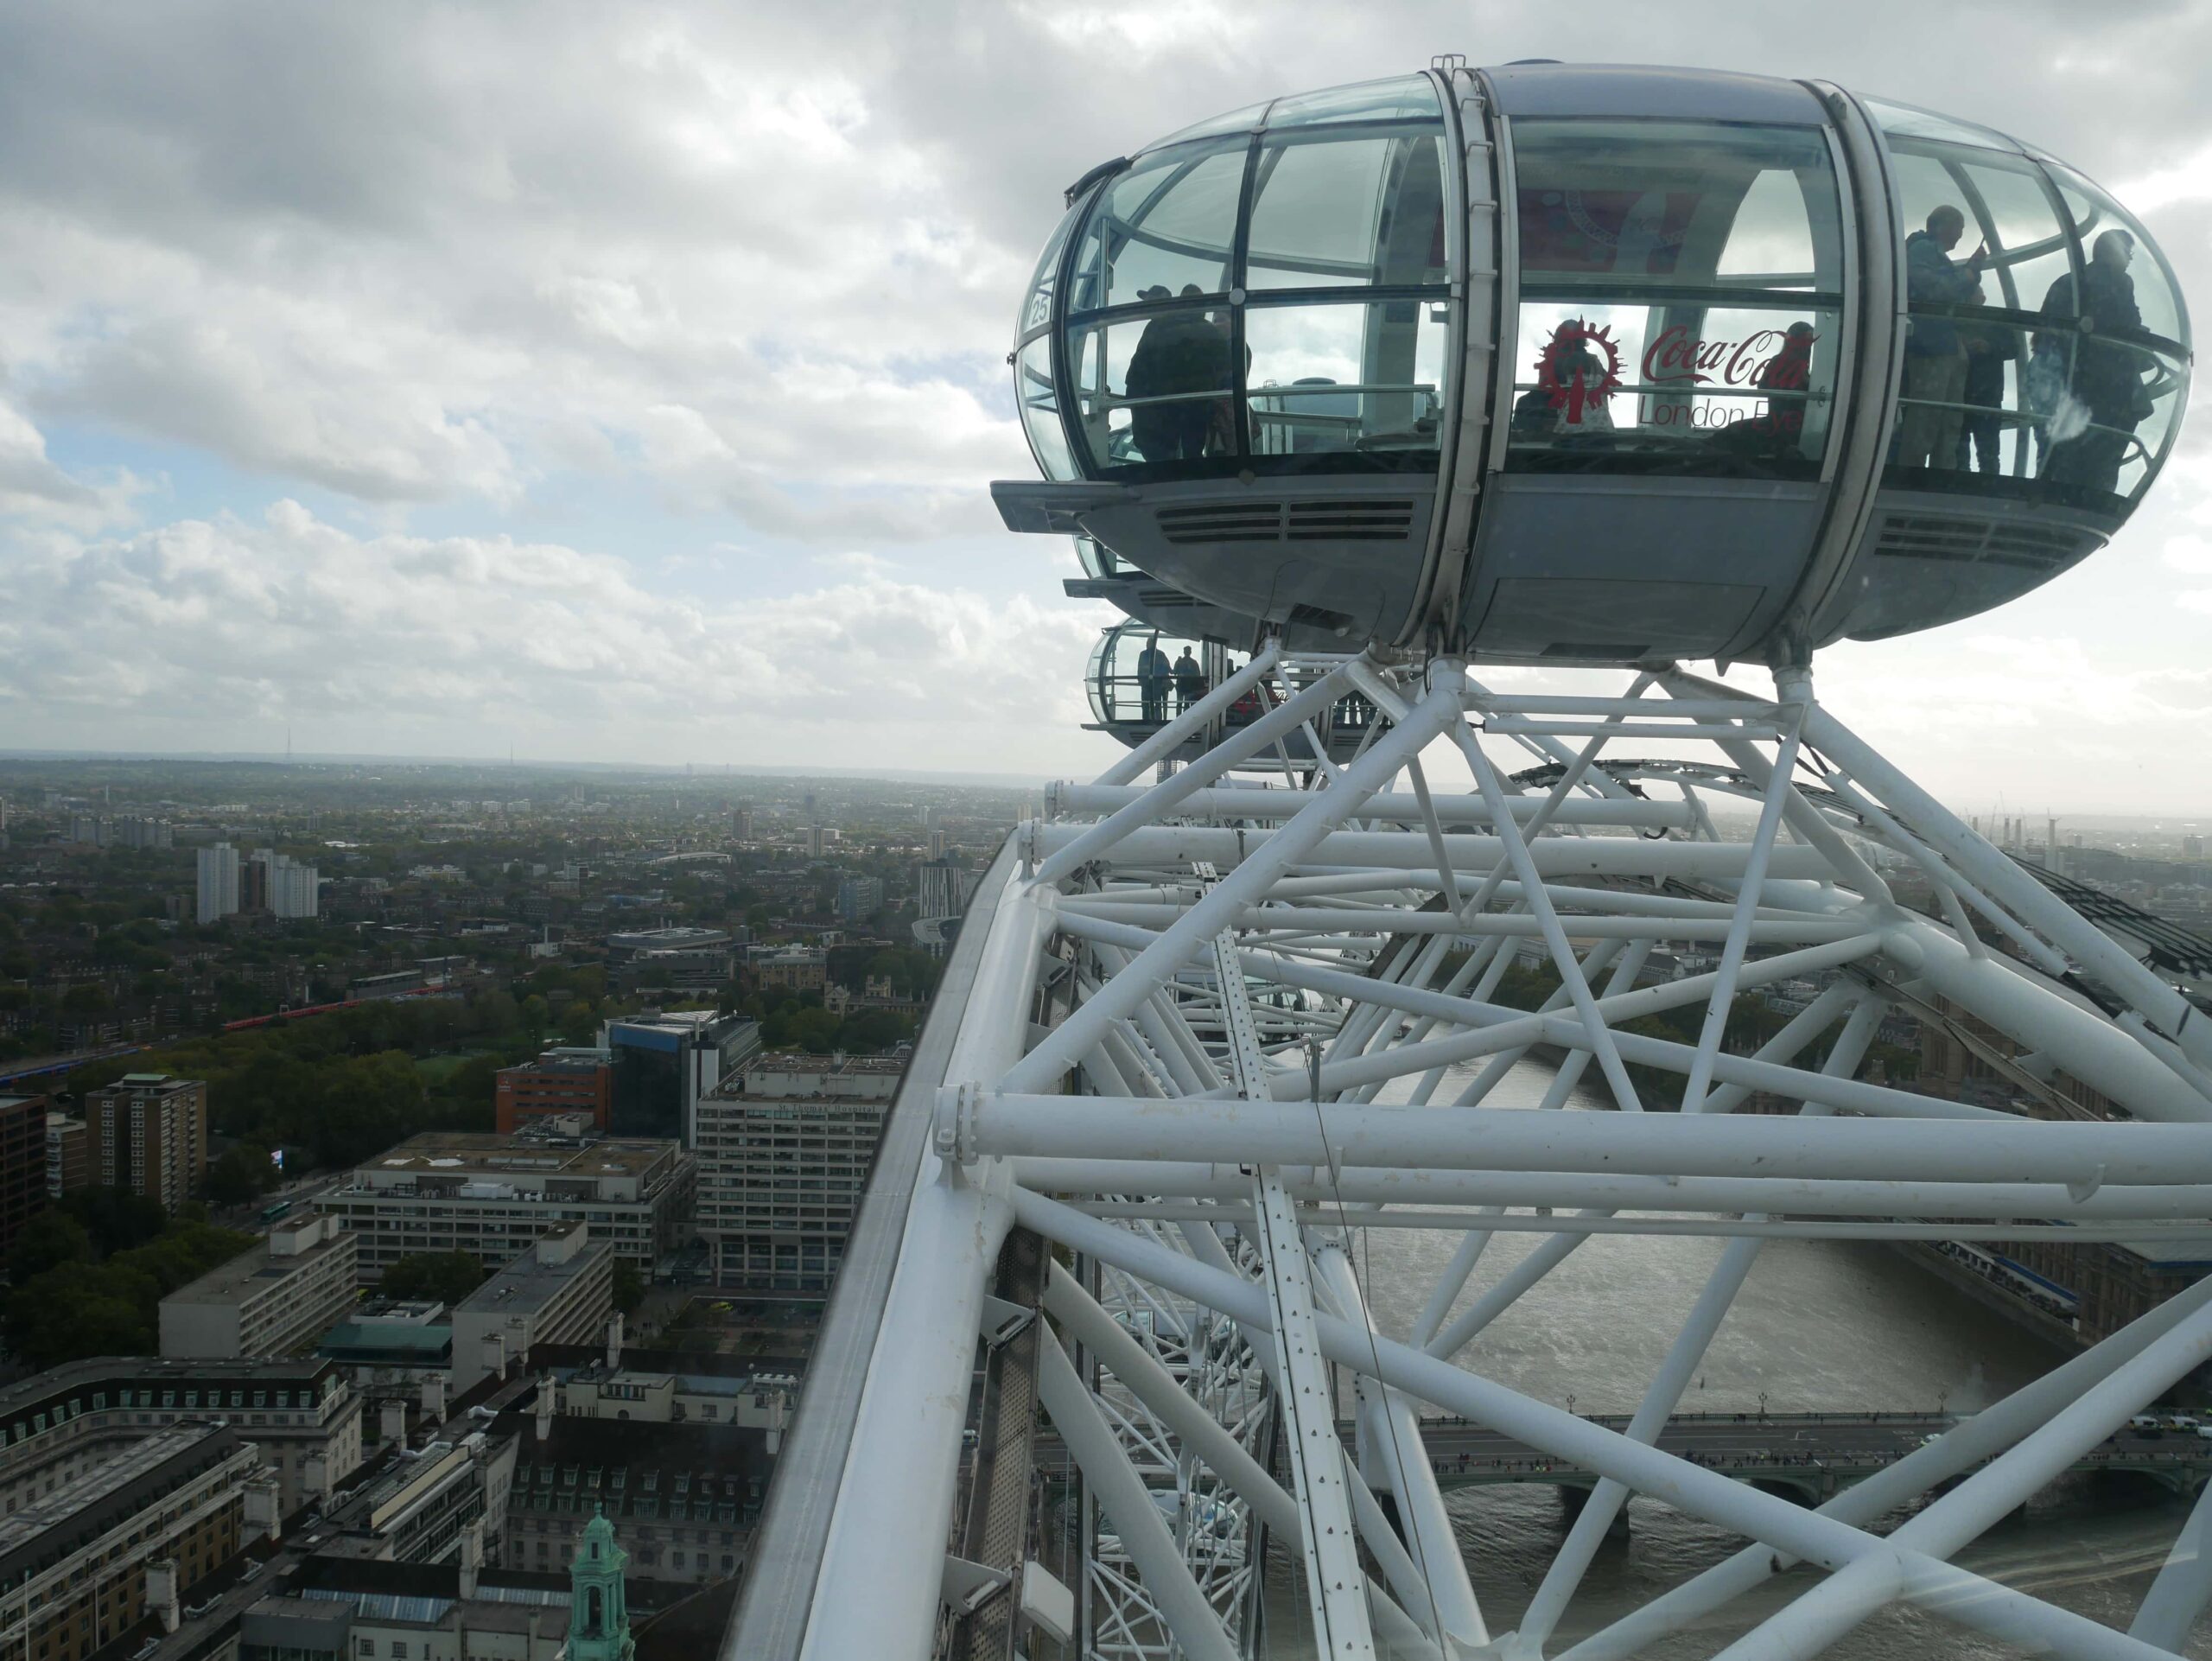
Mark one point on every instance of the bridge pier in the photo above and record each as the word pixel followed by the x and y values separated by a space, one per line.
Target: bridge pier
pixel 1574 1498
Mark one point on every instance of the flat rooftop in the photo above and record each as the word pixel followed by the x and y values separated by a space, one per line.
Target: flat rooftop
pixel 530 1282
pixel 799 1061
pixel 47 1531
pixel 460 1153
pixel 252 1268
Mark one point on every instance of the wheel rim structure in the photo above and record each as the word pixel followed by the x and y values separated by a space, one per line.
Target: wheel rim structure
pixel 1204 1044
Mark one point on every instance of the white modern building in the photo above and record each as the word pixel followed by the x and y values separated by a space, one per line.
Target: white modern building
pixel 785 1146
pixel 218 882
pixel 560 1291
pixel 494 1197
pixel 274 1299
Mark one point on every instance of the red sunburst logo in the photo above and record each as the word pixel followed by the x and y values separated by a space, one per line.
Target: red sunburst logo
pixel 1579 370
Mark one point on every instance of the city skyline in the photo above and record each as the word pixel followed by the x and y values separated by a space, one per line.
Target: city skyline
pixel 566 415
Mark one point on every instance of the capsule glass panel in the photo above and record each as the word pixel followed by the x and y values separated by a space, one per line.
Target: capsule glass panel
pixel 1166 225
pixel 2132 361
pixel 1367 212
pixel 1154 390
pixel 1681 299
pixel 1402 97
pixel 2046 357
pixel 1139 676
pixel 1040 409
pixel 1367 377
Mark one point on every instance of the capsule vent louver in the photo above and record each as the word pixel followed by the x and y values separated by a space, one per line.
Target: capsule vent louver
pixel 1352 519
pixel 2040 547
pixel 1225 522
pixel 1360 519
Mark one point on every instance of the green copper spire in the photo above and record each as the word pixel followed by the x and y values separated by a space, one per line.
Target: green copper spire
pixel 599 1615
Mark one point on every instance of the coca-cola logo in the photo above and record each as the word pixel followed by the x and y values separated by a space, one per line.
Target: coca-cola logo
pixel 1580 369
pixel 1771 358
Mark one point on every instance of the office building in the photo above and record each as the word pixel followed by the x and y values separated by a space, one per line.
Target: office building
pixel 794 969
pixel 69 1155
pixel 218 882
pixel 302 1415
pixel 663 1062
pixel 23 1163
pixel 393 1343
pixel 76 1564
pixel 560 1291
pixel 560 1082
pixel 494 1197
pixel 343 1608
pixel 280 885
pixel 134 830
pixel 275 1298
pixel 859 897
pixel 785 1148
pixel 942 888
pixel 149 1134
pixel 682 1500
pixel 428 1508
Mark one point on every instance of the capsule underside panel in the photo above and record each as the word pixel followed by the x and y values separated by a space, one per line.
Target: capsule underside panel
pixel 1697 437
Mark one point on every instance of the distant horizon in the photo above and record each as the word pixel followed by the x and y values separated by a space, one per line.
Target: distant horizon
pixel 700 771
pixel 2076 818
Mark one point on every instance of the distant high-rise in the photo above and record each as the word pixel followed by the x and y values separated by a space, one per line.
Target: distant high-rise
pixel 740 825
pixel 149 1134
pixel 278 883
pixel 22 1162
pixel 814 840
pixel 936 844
pixel 859 897
pixel 218 881
pixel 942 888
pixel 2191 846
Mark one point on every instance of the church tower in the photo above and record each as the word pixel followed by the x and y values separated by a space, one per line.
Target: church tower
pixel 599 1616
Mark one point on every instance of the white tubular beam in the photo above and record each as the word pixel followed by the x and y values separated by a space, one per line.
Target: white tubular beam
pixel 2005 882
pixel 2169 1609
pixel 1233 804
pixel 1944 1589
pixel 1781 1196
pixel 906 1434
pixel 1306 919
pixel 2001 1149
pixel 1599 1035
pixel 1420 1506
pixel 1335 1582
pixel 1740 926
pixel 1118 999
pixel 1128 1505
pixel 1830 1610
pixel 1161 798
pixel 1962 1448
pixel 1194 720
pixel 2084 1046
pixel 1173 847
pixel 1167 1400
pixel 1665 1392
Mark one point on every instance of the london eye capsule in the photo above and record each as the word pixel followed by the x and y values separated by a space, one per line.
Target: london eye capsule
pixel 1140 677
pixel 1595 364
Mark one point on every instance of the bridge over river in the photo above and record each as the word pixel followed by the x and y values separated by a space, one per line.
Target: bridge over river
pixel 1809 1456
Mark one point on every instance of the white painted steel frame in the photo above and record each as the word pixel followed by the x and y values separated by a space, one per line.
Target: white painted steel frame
pixel 1164 1128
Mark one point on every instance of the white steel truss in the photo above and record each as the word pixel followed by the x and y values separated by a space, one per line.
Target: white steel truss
pixel 1209 1040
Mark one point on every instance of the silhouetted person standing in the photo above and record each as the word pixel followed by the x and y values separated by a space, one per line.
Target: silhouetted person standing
pixel 1154 673
pixel 1180 356
pixel 2090 425
pixel 1934 356
pixel 1190 681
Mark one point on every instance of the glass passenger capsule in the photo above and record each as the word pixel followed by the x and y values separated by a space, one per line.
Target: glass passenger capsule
pixel 1140 677
pixel 1595 364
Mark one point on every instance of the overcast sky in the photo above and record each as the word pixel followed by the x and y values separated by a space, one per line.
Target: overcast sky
pixel 623 381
